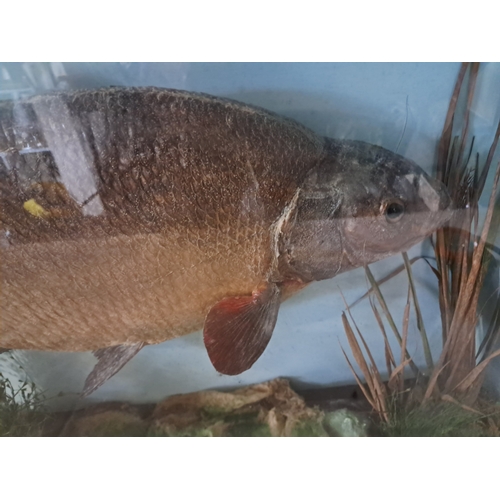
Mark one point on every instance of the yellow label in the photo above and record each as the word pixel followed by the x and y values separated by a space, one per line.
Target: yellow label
pixel 35 209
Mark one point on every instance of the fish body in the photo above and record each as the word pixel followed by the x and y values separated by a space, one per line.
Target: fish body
pixel 133 216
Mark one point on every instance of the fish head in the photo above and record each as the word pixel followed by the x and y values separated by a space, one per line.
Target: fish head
pixel 361 204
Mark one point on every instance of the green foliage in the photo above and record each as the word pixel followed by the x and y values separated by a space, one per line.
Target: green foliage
pixel 309 428
pixel 21 410
pixel 433 420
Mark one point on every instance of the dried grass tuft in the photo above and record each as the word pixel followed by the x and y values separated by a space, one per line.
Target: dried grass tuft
pixel 463 253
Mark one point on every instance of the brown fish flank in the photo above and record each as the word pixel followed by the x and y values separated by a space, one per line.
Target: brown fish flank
pixel 152 213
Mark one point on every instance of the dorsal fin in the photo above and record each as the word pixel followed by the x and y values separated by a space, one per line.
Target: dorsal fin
pixel 238 329
pixel 110 361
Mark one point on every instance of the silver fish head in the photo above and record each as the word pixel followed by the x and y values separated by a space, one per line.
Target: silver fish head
pixel 362 203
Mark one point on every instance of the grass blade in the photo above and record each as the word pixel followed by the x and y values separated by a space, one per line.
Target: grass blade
pixel 469 383
pixel 357 353
pixel 366 393
pixel 387 314
pixel 388 277
pixel 372 376
pixel 418 313
pixel 444 143
pixel 389 356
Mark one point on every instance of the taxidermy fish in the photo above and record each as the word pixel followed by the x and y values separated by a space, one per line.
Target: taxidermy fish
pixel 133 216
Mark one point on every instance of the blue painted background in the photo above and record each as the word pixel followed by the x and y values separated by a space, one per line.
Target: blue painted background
pixel 371 102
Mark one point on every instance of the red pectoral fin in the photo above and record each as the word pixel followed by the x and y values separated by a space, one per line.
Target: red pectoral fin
pixel 238 329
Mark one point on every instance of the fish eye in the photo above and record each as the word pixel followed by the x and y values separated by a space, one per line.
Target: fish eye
pixel 394 210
